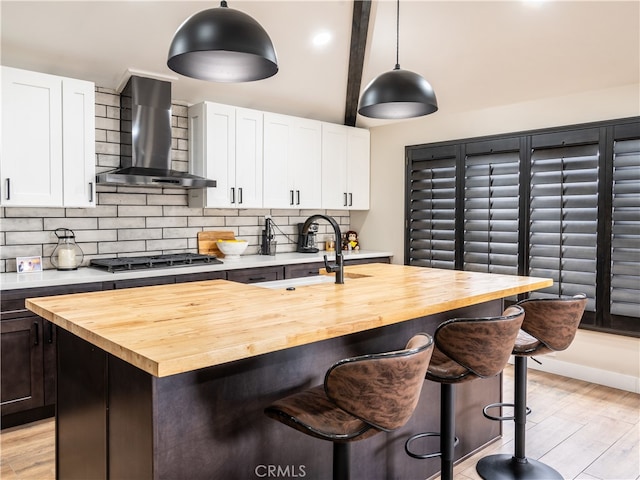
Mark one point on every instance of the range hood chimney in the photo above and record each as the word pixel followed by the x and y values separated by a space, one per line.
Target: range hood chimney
pixel 145 139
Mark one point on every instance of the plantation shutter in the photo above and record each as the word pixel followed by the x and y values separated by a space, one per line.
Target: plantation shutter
pixel 564 213
pixel 491 199
pixel 625 235
pixel 431 208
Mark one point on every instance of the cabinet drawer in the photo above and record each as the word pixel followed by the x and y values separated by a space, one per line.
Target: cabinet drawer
pixel 255 275
pixel 303 270
pixel 199 277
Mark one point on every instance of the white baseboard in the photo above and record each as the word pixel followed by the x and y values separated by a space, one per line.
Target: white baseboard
pixel 588 374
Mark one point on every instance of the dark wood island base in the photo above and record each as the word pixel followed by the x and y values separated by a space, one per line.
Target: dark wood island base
pixel 116 421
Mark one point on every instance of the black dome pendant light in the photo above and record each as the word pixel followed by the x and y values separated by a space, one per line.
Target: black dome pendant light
pixel 222 45
pixel 398 93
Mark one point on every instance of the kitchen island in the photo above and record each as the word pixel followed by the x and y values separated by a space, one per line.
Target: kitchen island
pixel 170 381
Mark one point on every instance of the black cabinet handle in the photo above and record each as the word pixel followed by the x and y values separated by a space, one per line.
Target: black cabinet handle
pixel 345 199
pixel 8 182
pixel 36 327
pixel 90 192
pixel 298 195
pixel 240 195
pixel 350 199
pixel 256 279
pixel 291 197
pixel 233 195
pixel 50 339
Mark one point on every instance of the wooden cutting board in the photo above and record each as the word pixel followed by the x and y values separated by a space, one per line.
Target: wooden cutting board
pixel 207 242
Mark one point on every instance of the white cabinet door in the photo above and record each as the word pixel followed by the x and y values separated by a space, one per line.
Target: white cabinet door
pixel 278 151
pixel 78 143
pixel 345 167
pixel 305 164
pixel 225 145
pixel 31 162
pixel 358 169
pixel 334 166
pixel 292 162
pixel 248 167
pixel 48 140
pixel 212 153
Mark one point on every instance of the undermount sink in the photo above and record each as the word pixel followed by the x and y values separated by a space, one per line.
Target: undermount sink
pixel 306 281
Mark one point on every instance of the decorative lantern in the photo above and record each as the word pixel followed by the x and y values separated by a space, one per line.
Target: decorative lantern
pixel 67 255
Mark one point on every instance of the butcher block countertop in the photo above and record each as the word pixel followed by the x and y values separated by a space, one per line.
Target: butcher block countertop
pixel 171 329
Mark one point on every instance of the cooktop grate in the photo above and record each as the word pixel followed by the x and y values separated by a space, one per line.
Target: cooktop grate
pixel 119 264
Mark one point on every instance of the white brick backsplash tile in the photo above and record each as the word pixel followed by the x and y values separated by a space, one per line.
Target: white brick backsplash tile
pixel 121 222
pixel 101 110
pixel 168 244
pixel 156 222
pixel 167 199
pixel 179 110
pixel 206 221
pixel 20 251
pixel 103 148
pixel 107 123
pixel 113 112
pixel 108 161
pixel 28 238
pixel 178 211
pixel 96 235
pixel 177 132
pixel 221 212
pixel 140 234
pixel 71 223
pixel 253 230
pixel 121 247
pixel 98 211
pixel 33 212
pixel 122 199
pixel 239 221
pixel 101 135
pixel 103 98
pixel 138 189
pixel 113 137
pixel 20 224
pixel 180 232
pixel 253 212
pixel 140 211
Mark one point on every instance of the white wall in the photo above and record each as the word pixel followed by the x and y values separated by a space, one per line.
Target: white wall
pixel 612 360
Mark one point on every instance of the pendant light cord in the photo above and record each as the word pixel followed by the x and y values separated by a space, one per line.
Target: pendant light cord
pixel 398 36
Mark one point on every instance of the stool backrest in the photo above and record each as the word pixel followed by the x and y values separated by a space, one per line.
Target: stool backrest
pixel 381 389
pixel 482 345
pixel 553 321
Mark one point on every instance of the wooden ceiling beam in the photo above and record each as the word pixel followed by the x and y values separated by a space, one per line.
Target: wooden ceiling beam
pixel 359 29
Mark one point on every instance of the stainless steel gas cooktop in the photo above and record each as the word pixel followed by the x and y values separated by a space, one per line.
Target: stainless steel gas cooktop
pixel 119 264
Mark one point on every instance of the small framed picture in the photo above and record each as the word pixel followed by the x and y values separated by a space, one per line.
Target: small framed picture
pixel 28 264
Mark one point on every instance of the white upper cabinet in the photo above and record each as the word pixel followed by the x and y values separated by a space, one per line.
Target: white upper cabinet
pixel 292 162
pixel 345 167
pixel 48 140
pixel 225 145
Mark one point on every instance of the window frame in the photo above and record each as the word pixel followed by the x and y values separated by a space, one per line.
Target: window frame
pixel 607 133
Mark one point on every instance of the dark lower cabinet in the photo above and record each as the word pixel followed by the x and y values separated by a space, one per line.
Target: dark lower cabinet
pixel 21 354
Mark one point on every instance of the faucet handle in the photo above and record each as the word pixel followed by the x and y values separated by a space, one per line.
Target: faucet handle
pixel 329 268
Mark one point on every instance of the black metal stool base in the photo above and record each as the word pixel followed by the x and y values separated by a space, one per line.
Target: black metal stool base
pixel 507 467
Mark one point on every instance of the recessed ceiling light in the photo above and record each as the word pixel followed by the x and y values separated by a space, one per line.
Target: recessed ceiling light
pixel 321 39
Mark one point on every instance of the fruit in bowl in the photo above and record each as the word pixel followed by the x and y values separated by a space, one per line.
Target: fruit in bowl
pixel 232 249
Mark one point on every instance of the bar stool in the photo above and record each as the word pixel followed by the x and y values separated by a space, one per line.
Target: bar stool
pixel 549 325
pixel 361 396
pixel 466 349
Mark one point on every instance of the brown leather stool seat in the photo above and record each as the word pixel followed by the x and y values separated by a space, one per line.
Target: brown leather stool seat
pixel 361 396
pixel 466 349
pixel 550 325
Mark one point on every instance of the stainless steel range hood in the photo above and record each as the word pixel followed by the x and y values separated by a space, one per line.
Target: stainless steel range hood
pixel 145 139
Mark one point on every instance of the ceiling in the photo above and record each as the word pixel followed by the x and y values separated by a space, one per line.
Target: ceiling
pixel 475 54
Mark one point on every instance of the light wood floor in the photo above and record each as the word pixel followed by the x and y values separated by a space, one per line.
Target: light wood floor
pixel 584 431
